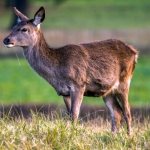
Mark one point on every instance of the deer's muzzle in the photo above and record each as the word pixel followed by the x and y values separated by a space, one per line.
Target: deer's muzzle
pixel 8 43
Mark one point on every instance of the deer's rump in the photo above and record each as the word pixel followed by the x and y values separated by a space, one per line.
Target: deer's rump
pixel 106 63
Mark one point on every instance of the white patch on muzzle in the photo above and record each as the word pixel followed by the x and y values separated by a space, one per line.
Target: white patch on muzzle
pixel 9 45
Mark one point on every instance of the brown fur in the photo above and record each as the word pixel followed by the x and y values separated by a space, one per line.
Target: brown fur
pixel 92 69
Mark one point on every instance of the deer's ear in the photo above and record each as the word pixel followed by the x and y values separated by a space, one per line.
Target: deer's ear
pixel 21 17
pixel 39 16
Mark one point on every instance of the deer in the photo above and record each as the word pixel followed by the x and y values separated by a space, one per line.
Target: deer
pixel 97 69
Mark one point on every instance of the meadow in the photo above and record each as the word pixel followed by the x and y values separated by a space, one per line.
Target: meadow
pixel 22 85
pixel 19 84
pixel 44 133
pixel 95 14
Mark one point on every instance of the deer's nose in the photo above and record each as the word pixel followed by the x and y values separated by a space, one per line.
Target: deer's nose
pixel 6 41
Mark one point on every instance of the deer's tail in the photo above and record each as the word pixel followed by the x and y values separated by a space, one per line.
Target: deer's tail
pixel 135 52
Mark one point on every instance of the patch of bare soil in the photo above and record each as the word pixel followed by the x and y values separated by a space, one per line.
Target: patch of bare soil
pixel 87 112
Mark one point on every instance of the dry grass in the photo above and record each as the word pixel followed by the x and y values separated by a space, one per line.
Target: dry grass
pixel 41 132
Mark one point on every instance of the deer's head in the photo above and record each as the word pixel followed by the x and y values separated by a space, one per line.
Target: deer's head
pixel 25 33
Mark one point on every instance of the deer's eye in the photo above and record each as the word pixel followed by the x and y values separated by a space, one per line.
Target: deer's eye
pixel 24 30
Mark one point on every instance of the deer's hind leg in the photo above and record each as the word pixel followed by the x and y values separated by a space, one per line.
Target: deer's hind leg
pixel 123 99
pixel 115 111
pixel 126 110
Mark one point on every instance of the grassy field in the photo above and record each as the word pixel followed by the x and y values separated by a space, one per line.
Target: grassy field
pixel 20 84
pixel 42 133
pixel 93 14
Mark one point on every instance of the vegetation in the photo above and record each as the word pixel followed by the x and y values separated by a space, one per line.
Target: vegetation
pixel 20 84
pixel 95 14
pixel 42 133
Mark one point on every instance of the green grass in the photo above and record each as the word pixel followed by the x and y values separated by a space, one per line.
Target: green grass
pixel 99 14
pixel 20 84
pixel 95 14
pixel 42 133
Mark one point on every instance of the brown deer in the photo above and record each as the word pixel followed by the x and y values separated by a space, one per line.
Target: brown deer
pixel 92 69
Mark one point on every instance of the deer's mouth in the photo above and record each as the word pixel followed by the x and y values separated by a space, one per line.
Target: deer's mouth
pixel 9 45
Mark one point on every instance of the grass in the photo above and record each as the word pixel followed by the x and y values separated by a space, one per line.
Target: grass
pixel 20 84
pixel 42 133
pixel 93 14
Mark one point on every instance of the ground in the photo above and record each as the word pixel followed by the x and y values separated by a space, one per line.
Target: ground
pixel 58 132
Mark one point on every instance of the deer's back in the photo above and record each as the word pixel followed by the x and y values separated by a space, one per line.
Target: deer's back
pixel 101 65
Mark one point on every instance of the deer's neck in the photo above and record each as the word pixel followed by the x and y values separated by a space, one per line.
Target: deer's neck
pixel 40 56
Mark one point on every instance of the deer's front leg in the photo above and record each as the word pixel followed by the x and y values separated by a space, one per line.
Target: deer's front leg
pixel 76 100
pixel 67 101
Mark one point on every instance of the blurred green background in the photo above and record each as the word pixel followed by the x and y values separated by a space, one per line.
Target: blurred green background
pixel 76 21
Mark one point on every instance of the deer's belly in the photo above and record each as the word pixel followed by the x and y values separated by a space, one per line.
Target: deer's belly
pixel 96 90
pixel 94 94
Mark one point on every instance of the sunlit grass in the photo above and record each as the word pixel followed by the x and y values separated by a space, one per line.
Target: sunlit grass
pixel 42 133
